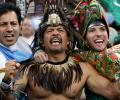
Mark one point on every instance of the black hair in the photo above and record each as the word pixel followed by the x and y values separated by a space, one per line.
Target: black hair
pixel 8 7
pixel 102 20
pixel 65 24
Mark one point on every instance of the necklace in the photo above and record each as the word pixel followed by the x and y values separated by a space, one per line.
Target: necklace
pixel 55 76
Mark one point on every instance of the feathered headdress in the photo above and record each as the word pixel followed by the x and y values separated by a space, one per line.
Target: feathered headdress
pixel 86 12
pixel 54 16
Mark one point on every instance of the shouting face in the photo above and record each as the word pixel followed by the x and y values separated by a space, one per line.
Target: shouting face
pixel 9 28
pixel 55 39
pixel 97 37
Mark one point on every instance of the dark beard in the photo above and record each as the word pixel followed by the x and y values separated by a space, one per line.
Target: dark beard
pixel 55 77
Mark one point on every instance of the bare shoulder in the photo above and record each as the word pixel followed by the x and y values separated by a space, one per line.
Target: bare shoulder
pixel 85 65
pixel 87 68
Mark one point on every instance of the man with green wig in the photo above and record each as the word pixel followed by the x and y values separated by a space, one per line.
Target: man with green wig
pixel 92 33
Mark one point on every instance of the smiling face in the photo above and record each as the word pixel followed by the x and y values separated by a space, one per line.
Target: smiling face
pixel 97 37
pixel 55 39
pixel 9 28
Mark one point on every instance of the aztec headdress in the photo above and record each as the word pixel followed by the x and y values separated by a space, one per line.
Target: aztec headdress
pixel 54 16
pixel 86 12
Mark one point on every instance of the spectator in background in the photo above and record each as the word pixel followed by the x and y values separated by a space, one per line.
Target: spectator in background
pixel 28 31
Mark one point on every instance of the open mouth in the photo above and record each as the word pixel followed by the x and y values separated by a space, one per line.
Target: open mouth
pixel 99 42
pixel 9 36
pixel 55 40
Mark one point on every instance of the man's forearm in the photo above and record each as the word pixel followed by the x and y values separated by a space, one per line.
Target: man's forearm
pixel 114 90
pixel 117 87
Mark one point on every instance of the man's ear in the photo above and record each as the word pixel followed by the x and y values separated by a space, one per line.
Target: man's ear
pixel 69 44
